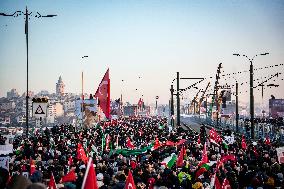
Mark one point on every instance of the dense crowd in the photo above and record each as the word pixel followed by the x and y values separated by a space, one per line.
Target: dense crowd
pixel 116 148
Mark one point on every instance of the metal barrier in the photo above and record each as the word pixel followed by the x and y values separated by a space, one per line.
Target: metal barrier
pixel 262 129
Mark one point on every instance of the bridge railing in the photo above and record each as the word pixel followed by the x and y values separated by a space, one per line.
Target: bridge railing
pixel 262 130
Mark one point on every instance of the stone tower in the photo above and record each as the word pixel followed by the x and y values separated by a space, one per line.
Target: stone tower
pixel 60 87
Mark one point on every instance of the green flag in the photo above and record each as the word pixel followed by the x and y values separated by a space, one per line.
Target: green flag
pixel 128 152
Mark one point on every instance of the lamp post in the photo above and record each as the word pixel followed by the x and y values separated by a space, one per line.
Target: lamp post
pixel 172 105
pixel 27 14
pixel 178 101
pixel 251 89
pixel 157 97
pixel 237 107
pixel 82 104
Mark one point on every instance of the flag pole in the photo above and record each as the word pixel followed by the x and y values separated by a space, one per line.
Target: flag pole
pixel 108 99
pixel 82 99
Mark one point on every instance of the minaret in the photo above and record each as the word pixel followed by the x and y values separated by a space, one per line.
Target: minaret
pixel 60 86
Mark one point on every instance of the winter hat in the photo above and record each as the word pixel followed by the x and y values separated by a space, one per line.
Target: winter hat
pixel 100 177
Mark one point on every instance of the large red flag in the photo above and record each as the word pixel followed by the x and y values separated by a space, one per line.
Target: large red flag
pixel 180 142
pixel 129 184
pixel 81 153
pixel 215 136
pixel 103 94
pixel 69 177
pixel 90 178
pixel 226 158
pixel 52 184
pixel 169 143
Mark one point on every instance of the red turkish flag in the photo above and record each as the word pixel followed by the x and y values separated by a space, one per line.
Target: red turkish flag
pixel 182 153
pixel 129 184
pixel 226 158
pixel 69 177
pixel 103 94
pixel 157 144
pixel 215 136
pixel 90 178
pixel 81 153
pixel 52 184
pixel 170 143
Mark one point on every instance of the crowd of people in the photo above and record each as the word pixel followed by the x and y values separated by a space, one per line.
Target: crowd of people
pixel 116 147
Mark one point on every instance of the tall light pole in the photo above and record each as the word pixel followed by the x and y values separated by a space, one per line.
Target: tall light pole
pixel 251 89
pixel 27 14
pixel 178 101
pixel 82 105
pixel 157 97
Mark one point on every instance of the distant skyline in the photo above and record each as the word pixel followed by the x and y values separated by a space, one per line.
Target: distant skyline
pixel 143 43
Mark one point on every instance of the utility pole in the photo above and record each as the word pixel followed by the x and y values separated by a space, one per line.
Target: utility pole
pixel 178 101
pixel 251 89
pixel 172 105
pixel 178 93
pixel 251 100
pixel 27 14
pixel 237 107
pixel 157 97
pixel 82 105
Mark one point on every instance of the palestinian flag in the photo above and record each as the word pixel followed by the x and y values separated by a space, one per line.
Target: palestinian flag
pixel 170 161
pixel 128 152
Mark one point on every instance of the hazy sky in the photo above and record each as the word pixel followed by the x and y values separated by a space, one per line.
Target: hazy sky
pixel 148 39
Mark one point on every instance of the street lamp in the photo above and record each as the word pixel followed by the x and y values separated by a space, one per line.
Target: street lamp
pixel 82 105
pixel 251 89
pixel 157 97
pixel 27 14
